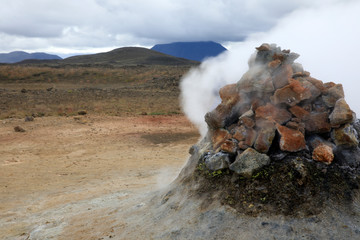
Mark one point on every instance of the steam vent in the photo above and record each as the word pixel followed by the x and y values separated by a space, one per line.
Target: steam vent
pixel 280 142
pixel 280 160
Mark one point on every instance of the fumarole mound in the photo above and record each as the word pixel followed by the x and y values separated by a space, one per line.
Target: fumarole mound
pixel 280 142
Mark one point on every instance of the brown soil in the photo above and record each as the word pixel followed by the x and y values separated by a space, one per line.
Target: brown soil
pixel 53 173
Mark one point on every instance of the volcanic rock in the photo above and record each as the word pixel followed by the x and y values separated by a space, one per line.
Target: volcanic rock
pixel 247 121
pixel 228 111
pixel 315 92
pixel 282 75
pixel 219 136
pixel 317 83
pixel 217 161
pixel 248 162
pixel 274 64
pixel 300 126
pixel 333 94
pixel 263 47
pixel 257 79
pixel 239 133
pixel 229 95
pixel 271 112
pixel 299 112
pixel 249 140
pixel 345 135
pixel 323 153
pixel 317 122
pixel 245 136
pixel 318 105
pixel 291 140
pixel 229 146
pixel 265 136
pixel 297 68
pixel 341 114
pixel 291 94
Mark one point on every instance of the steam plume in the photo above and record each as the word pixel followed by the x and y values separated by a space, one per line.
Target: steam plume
pixel 326 37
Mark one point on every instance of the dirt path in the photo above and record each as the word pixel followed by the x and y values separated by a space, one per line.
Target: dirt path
pixel 63 169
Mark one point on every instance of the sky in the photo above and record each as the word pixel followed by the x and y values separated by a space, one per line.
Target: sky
pixel 69 27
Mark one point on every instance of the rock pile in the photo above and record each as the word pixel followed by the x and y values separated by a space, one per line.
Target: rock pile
pixel 275 109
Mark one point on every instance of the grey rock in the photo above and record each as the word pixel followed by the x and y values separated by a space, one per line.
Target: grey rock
pixel 341 114
pixel 317 122
pixel 248 162
pixel 345 136
pixel 333 94
pixel 297 67
pixel 218 161
pixel 292 57
pixel 315 92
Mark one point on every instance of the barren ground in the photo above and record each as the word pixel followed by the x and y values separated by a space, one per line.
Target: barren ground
pixel 65 176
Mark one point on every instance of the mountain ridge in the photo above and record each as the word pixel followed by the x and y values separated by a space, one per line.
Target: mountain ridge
pixel 197 51
pixel 18 56
pixel 128 56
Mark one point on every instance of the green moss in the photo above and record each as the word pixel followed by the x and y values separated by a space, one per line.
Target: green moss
pixel 216 173
pixel 211 174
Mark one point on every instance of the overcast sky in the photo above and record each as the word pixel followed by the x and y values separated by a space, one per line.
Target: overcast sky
pixel 69 27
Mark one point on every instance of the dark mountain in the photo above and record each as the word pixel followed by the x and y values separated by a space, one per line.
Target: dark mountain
pixel 196 51
pixel 18 56
pixel 128 56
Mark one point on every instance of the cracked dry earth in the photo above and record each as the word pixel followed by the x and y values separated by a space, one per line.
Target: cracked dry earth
pixel 76 177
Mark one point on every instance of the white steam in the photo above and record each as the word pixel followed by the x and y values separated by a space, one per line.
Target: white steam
pixel 327 37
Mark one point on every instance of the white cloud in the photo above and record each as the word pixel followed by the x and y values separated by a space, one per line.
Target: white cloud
pixel 95 24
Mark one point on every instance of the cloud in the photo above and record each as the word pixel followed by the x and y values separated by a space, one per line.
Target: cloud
pixel 102 23
pixel 325 36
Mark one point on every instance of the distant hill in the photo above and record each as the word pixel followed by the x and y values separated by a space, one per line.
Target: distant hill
pixel 18 56
pixel 127 56
pixel 196 51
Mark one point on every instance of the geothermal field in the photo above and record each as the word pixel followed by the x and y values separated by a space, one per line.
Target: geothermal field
pixel 97 159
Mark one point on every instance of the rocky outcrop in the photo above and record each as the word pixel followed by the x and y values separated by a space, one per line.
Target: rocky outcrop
pixel 276 106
